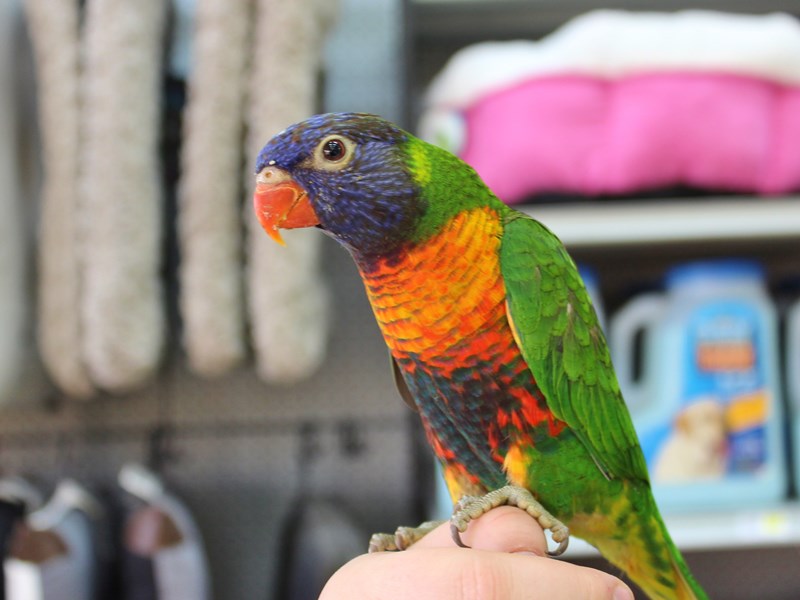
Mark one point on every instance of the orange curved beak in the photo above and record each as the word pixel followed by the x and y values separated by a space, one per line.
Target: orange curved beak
pixel 281 203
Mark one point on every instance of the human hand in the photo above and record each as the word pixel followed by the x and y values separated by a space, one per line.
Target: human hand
pixel 506 560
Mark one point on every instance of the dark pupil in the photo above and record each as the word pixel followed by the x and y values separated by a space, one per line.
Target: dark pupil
pixel 333 150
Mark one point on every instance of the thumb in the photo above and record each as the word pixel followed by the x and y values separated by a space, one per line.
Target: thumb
pixel 502 529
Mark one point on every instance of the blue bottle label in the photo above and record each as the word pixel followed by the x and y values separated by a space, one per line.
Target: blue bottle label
pixel 719 428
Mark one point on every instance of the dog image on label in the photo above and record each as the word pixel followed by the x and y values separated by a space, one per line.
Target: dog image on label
pixel 697 447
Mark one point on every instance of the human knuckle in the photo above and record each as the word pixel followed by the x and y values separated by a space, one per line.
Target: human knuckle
pixel 482 580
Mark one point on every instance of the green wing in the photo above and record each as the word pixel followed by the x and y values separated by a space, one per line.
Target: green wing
pixel 557 328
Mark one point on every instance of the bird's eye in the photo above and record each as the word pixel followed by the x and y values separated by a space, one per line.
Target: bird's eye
pixel 333 153
pixel 334 150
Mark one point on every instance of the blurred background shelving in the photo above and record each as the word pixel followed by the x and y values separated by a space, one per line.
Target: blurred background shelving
pixel 672 221
pixel 443 19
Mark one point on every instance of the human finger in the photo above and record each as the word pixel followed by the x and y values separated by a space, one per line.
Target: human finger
pixel 458 574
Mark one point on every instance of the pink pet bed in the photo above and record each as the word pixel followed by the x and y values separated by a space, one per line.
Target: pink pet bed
pixel 589 135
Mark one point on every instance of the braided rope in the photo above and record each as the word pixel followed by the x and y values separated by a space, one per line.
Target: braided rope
pixel 122 306
pixel 54 27
pixel 210 225
pixel 288 299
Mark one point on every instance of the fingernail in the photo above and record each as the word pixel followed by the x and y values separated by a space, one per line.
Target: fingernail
pixel 623 592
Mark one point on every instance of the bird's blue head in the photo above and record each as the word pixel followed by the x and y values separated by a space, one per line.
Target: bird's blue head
pixel 346 173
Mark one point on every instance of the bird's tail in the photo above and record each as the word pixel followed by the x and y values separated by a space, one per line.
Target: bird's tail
pixel 688 587
pixel 648 556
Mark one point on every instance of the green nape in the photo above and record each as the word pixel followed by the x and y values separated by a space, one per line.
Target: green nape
pixel 448 186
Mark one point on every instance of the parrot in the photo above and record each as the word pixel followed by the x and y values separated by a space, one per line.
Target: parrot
pixel 493 338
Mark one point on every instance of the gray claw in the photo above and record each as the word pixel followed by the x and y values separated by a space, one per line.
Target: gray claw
pixel 456 535
pixel 562 547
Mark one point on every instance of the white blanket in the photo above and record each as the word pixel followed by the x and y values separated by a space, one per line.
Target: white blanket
pixel 613 43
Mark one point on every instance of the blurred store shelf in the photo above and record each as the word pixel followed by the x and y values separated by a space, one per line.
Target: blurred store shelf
pixel 507 18
pixel 723 530
pixel 663 221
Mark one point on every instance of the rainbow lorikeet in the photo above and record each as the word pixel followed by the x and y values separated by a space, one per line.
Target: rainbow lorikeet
pixel 491 331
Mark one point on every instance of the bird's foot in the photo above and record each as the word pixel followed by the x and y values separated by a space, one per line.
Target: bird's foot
pixel 402 538
pixel 472 507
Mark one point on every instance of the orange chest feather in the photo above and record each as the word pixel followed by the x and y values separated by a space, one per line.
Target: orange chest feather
pixel 447 289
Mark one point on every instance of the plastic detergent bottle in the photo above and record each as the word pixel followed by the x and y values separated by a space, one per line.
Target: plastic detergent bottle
pixel 706 404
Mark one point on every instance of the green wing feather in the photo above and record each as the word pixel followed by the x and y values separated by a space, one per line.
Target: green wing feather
pixel 557 328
